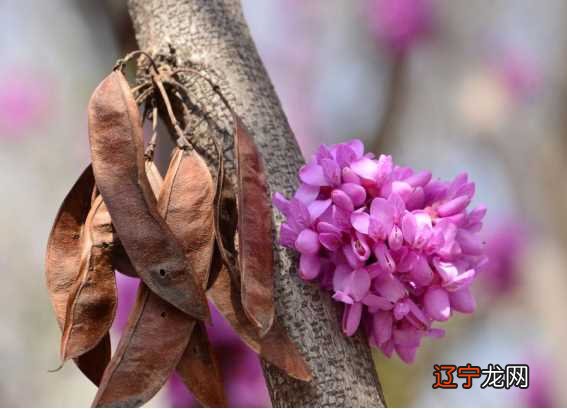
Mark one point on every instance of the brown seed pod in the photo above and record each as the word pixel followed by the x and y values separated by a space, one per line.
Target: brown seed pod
pixel 92 305
pixel 120 259
pixel 199 369
pixel 275 347
pixel 144 360
pixel 152 344
pixel 254 232
pixel 118 162
pixel 188 195
pixel 62 266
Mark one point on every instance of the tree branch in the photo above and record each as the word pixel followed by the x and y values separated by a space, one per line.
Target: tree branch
pixel 214 32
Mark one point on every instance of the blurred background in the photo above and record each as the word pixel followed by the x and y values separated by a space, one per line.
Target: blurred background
pixel 445 85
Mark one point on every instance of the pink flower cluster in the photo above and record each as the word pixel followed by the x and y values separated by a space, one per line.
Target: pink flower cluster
pixel 396 247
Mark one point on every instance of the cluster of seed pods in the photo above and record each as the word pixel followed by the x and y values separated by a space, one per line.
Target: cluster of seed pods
pixel 189 238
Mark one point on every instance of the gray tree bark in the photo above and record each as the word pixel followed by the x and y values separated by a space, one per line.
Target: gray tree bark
pixel 214 32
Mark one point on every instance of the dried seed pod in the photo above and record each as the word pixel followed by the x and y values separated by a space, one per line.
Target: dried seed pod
pixel 199 369
pixel 118 162
pixel 154 177
pixel 225 229
pixel 254 232
pixel 152 344
pixel 275 347
pixel 62 266
pixel 188 195
pixel 91 307
pixel 120 259
pixel 143 360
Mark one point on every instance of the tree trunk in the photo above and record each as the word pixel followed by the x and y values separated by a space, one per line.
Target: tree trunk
pixel 214 33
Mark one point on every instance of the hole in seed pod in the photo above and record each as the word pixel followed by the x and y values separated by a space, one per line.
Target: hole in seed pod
pixel 76 236
pixel 105 245
pixel 163 314
pixel 162 273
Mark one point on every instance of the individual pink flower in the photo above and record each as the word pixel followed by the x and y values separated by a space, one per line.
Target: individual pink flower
pixel 400 24
pixel 397 248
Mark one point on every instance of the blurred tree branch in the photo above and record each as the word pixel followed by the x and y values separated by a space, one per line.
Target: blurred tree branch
pixel 393 105
pixel 215 33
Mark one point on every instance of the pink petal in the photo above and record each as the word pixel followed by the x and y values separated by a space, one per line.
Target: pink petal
pixel 350 177
pixel 351 258
pixel 365 168
pixel 477 214
pixel 359 285
pixel 419 179
pixel 327 228
pixel 409 228
pixel 331 241
pixel 400 310
pixel 357 146
pixel 416 317
pixel 281 203
pixel 388 348
pixel 467 189
pixel 407 262
pixel 375 301
pixel 453 206
pixel 406 354
pixel 461 281
pixel 399 206
pixel 470 243
pixel 312 174
pixel 307 242
pixel 374 270
pixel 463 301
pixel 385 167
pixel 402 189
pixel 288 236
pixel 385 259
pixel 299 217
pixel 396 238
pixel 309 266
pixel 416 199
pixel 342 297
pixel 307 193
pixel 383 212
pixel 360 221
pixel 342 200
pixel 382 326
pixel 356 193
pixel 459 181
pixel 318 207
pixel 389 287
pixel 341 218
pixel 360 246
pixel 446 270
pixel 345 155
pixel 436 332
pixel 436 302
pixel 332 171
pixel 407 337
pixel 351 318
pixel 422 274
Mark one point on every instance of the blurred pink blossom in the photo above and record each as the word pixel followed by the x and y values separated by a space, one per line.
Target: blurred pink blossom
pixel 400 24
pixel 540 393
pixel 504 247
pixel 519 72
pixel 24 101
